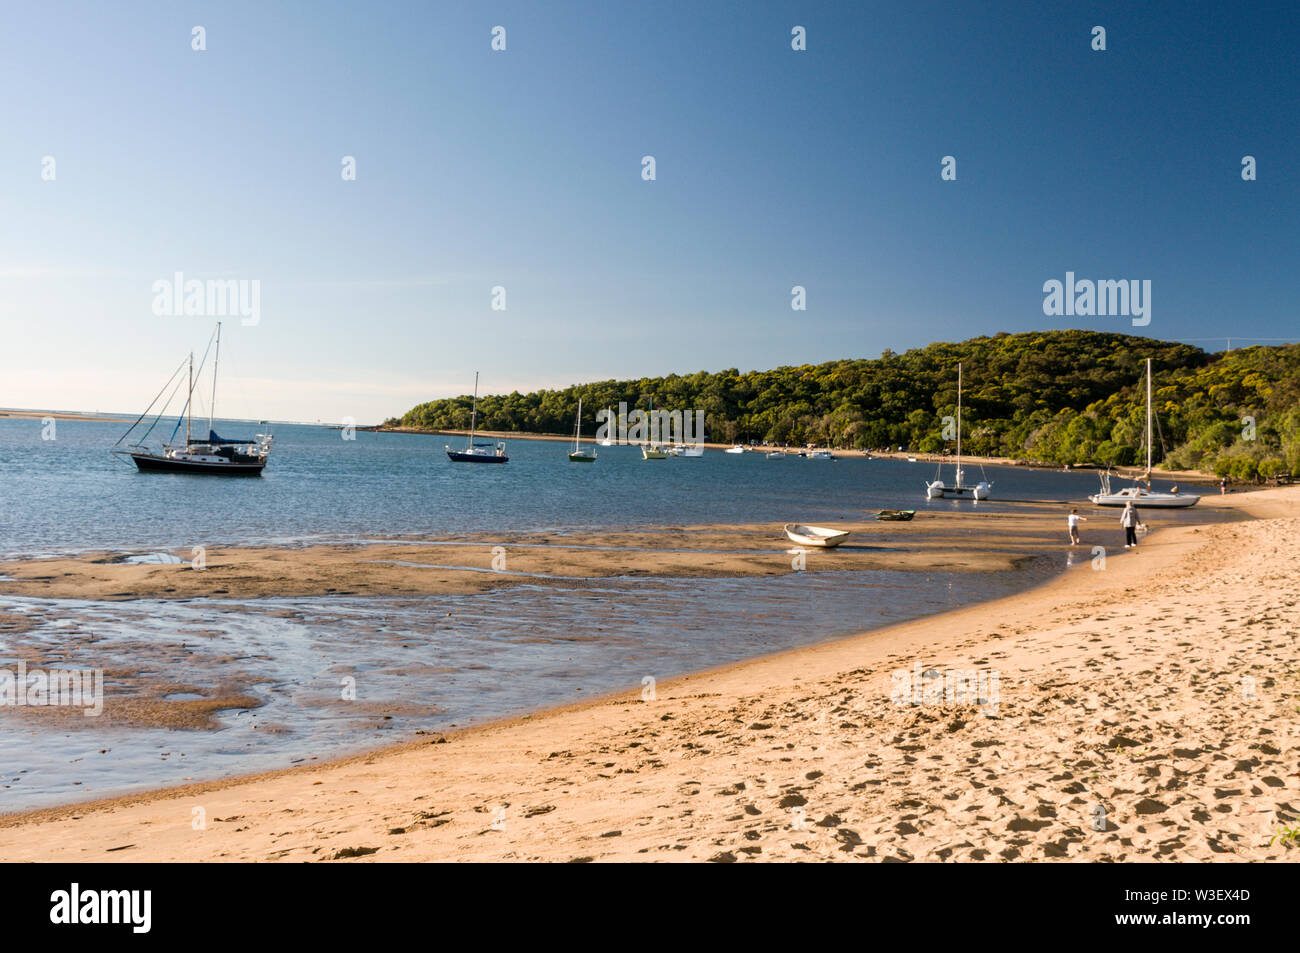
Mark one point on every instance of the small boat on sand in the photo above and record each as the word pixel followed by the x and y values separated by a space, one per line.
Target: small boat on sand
pixel 897 516
pixel 815 535
pixel 1141 493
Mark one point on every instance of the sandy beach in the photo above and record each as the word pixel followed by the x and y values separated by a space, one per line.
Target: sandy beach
pixel 1144 711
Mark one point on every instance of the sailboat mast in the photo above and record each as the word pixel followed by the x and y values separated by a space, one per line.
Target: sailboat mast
pixel 959 422
pixel 212 410
pixel 473 414
pixel 577 426
pixel 189 401
pixel 1148 418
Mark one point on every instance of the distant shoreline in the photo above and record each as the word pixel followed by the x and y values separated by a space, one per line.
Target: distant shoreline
pixel 1185 476
pixel 59 415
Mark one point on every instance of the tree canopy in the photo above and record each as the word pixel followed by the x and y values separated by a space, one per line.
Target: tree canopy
pixel 1058 397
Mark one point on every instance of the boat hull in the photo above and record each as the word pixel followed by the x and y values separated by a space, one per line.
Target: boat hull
pixel 939 491
pixel 582 458
pixel 457 457
pixel 1164 501
pixel 818 536
pixel 895 516
pixel 149 463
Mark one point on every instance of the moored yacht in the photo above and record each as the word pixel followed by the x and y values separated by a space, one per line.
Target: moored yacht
pixel 216 456
pixel 477 452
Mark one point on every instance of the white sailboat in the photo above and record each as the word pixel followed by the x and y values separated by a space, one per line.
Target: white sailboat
pixel 650 450
pixel 577 454
pixel 937 488
pixel 613 423
pixel 1138 494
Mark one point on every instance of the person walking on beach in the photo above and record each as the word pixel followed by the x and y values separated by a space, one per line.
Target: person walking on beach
pixel 1073 519
pixel 1129 520
pixel 1223 485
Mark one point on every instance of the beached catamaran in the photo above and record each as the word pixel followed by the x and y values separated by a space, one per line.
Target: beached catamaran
pixel 477 452
pixel 218 456
pixel 1138 494
pixel 937 489
pixel 577 454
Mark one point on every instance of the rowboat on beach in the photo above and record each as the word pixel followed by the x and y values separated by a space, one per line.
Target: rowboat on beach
pixel 898 516
pixel 815 535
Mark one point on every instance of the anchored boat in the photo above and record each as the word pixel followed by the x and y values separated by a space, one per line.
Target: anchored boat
pixel 577 454
pixel 477 452
pixel 215 456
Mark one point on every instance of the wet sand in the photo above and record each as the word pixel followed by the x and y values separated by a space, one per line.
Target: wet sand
pixel 964 541
pixel 1146 712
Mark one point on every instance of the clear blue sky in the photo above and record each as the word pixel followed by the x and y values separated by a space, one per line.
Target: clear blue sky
pixel 522 169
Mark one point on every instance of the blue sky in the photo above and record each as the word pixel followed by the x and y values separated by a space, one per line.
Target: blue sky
pixel 522 169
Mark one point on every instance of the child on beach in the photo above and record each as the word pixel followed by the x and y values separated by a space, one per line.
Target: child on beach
pixel 1129 520
pixel 1073 519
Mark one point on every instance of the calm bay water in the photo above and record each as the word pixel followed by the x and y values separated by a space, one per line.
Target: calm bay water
pixel 69 495
pixel 433 662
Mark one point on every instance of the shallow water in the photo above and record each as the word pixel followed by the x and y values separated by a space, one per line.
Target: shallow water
pixel 434 662
pixel 69 495
pixel 426 663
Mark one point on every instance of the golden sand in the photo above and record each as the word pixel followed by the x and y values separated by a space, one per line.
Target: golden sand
pixel 1146 711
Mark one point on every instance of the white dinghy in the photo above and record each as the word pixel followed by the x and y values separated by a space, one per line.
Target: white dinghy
pixel 815 535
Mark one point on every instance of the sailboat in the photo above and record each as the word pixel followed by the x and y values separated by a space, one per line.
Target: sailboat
pixel 477 452
pixel 649 449
pixel 1138 494
pixel 577 454
pixel 613 423
pixel 216 455
pixel 938 489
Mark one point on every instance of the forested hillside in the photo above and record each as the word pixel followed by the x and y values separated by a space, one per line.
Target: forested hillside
pixel 1055 397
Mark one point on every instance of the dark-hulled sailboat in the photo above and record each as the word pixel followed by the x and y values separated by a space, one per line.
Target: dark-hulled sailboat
pixel 477 452
pixel 219 456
